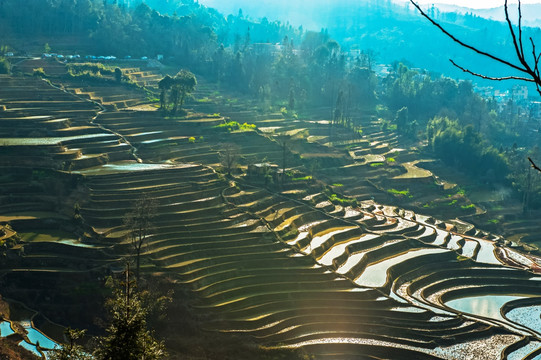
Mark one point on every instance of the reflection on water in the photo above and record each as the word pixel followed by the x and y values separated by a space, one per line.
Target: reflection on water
pixel 488 305
pixel 77 243
pixel 486 253
pixel 376 275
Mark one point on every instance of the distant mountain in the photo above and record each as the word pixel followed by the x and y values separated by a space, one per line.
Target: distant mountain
pixel 531 13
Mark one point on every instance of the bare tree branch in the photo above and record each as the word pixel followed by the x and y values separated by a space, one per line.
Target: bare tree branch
pixel 534 74
pixel 491 77
pixel 493 57
pixel 518 49
pixel 520 29
pixel 534 166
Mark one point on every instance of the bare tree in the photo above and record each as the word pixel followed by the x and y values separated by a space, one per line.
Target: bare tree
pixel 528 68
pixel 229 156
pixel 283 140
pixel 139 225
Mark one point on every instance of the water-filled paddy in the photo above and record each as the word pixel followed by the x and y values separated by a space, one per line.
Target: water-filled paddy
pixel 35 336
pixel 124 167
pixel 376 275
pixel 5 329
pixel 30 347
pixel 484 305
pixel 521 353
pixel 486 252
pixel 46 140
pixel 468 250
pixel 528 316
pixel 339 249
pixel 55 236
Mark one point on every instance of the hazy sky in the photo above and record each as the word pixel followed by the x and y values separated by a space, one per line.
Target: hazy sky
pixel 477 4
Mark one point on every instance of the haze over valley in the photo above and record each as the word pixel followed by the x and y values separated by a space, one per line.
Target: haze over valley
pixel 293 180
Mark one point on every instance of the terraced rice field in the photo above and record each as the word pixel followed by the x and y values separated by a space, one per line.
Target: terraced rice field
pixel 286 265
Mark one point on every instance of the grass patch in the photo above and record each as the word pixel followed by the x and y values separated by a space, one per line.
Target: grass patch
pixel 335 199
pixel 338 185
pixel 235 126
pixel 307 177
pixel 404 193
pixel 376 164
pixel 468 207
pixel 494 221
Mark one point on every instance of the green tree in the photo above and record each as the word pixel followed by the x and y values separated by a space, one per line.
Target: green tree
pixel 184 83
pixel 118 75
pixel 164 85
pixel 401 118
pixel 127 335
pixel 139 225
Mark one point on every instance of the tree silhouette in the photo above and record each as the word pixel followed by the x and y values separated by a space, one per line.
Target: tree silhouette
pixel 139 224
pixel 164 85
pixel 229 155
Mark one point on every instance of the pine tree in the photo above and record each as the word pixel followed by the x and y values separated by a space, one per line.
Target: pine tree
pixel 127 335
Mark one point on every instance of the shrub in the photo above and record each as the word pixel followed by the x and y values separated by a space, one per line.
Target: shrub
pixel 191 140
pixel 39 72
pixel 308 177
pixel 96 68
pixel 335 199
pixel 235 126
pixel 468 207
pixel 400 193
pixel 5 66
pixel 118 75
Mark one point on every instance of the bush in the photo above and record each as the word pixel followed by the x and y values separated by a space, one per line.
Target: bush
pixel 118 75
pixel 96 68
pixel 400 193
pixel 335 199
pixel 235 126
pixel 5 66
pixel 39 72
